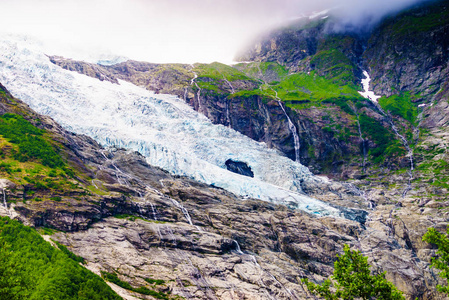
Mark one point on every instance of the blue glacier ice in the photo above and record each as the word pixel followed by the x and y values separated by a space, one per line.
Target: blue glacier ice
pixel 163 128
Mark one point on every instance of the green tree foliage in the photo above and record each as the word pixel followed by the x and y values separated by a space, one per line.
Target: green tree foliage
pixel 442 261
pixel 11 282
pixel 352 279
pixel 30 268
pixel 30 140
pixel 112 277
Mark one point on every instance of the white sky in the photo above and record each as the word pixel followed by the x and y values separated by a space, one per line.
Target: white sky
pixel 160 30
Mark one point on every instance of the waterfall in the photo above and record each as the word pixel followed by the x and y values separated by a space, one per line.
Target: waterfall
pixel 291 126
pixel 185 93
pixel 229 83
pixel 228 118
pixel 364 152
pixel 4 199
pixel 371 96
pixel 184 211
pixel 237 246
pixel 5 204
pixel 198 94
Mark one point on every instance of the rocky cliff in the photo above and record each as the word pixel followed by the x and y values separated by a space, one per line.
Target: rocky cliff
pixel 200 242
pixel 205 243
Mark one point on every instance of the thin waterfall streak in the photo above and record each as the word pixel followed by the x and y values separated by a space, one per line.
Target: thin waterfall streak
pixel 5 203
pixel 198 94
pixel 185 94
pixel 291 125
pixel 238 250
pixel 354 109
pixel 292 128
pixel 371 96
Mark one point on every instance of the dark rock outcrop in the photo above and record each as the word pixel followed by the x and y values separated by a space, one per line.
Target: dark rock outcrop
pixel 239 167
pixel 200 240
pixel 410 52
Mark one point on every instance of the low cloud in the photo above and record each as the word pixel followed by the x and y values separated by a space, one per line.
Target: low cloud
pixel 170 30
pixel 362 16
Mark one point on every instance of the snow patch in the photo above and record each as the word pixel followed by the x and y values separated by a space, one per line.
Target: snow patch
pixel 318 14
pixel 366 92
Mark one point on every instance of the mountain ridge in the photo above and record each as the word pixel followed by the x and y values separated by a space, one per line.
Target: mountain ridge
pixel 134 220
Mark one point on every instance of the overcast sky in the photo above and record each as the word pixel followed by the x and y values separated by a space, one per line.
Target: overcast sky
pixel 167 30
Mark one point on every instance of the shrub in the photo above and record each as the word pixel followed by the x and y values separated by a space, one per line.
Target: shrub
pixel 442 261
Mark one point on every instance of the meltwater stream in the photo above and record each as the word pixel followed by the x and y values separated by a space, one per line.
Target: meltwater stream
pixel 373 97
pixel 163 128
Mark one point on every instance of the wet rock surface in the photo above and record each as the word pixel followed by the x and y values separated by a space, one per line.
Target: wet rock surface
pixel 206 243
pixel 226 247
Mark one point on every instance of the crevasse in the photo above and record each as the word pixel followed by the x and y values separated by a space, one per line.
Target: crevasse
pixel 163 128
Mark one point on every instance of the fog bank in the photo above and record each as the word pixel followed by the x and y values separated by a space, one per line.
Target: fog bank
pixel 171 30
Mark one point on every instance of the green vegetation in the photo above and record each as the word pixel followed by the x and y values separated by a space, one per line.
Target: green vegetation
pixel 343 103
pixel 30 268
pixel 69 253
pixel 410 23
pixel 272 67
pixel 433 168
pixel 212 78
pixel 334 65
pixel 112 277
pixel 442 261
pixel 28 157
pixel 400 105
pixel 311 86
pixel 30 141
pixel 352 279
pixel 46 231
pixel 154 281
pixel 264 69
pixel 387 145
pixel 133 218
pixel 331 61
pixel 218 71
pixel 297 90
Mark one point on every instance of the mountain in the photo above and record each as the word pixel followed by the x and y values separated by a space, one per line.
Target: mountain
pixel 184 216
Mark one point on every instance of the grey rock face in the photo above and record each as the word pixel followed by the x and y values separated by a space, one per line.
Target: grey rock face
pixel 206 243
pixel 403 56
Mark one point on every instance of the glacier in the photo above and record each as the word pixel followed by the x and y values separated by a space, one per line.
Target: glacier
pixel 163 128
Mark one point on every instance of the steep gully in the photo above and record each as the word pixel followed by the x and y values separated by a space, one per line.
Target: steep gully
pixel 193 82
pixel 228 118
pixel 291 126
pixel 371 96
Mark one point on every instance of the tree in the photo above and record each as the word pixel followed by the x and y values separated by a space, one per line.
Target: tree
pixel 442 262
pixel 352 279
pixel 12 283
